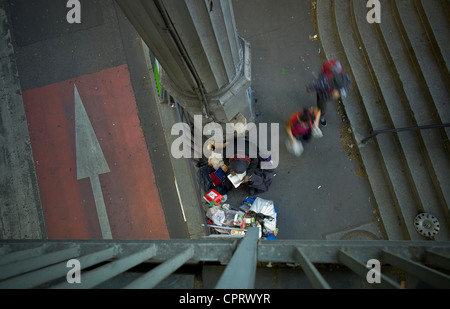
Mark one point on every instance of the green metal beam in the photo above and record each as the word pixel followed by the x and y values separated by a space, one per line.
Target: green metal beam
pixel 360 269
pixel 241 271
pixel 155 276
pixel 33 263
pixel 426 274
pixel 47 274
pixel 101 274
pixel 314 276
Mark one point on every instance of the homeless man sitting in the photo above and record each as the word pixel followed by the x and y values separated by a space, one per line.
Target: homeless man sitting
pixel 241 157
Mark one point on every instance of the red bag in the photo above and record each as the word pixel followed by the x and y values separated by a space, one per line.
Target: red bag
pixel 214 196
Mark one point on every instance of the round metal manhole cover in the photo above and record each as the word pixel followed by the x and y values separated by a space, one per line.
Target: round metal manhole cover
pixel 427 225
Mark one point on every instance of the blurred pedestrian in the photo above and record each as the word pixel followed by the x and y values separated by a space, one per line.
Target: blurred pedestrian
pixel 332 83
pixel 300 127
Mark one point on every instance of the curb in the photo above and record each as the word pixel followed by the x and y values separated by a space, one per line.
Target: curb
pixel 184 182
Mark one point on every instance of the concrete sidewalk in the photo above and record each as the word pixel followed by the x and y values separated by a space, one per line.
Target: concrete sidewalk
pixel 324 194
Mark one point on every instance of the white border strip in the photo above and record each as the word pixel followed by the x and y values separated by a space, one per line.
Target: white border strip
pixel 179 198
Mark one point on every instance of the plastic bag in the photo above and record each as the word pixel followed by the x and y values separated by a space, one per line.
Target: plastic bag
pixel 267 208
pixel 217 215
pixel 294 148
pixel 316 132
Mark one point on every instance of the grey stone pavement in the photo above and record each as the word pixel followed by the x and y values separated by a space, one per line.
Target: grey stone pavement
pixel 323 194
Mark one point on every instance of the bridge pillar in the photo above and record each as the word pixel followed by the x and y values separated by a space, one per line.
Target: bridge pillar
pixel 204 64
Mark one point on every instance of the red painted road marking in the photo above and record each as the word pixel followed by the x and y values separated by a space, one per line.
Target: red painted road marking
pixel 129 190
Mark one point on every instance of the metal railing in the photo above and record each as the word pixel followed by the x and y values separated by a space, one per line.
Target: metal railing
pixel 44 263
pixel 376 132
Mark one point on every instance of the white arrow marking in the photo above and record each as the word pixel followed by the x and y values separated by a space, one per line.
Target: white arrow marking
pixel 91 161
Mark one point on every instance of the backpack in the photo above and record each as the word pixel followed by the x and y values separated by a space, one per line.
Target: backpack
pixel 333 75
pixel 330 68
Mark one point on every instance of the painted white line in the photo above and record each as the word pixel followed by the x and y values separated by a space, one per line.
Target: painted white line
pixel 179 198
pixel 101 207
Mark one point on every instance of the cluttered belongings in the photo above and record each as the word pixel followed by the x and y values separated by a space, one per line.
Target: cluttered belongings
pixel 254 212
pixel 219 176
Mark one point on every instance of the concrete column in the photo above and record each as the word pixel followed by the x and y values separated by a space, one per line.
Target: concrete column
pixel 205 65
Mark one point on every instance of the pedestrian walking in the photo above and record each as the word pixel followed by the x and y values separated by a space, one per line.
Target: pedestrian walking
pixel 301 126
pixel 332 83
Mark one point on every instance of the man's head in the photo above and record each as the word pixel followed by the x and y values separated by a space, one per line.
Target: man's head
pixel 305 115
pixel 238 167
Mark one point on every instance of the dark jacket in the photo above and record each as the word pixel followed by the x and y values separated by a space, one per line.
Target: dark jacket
pixel 325 85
